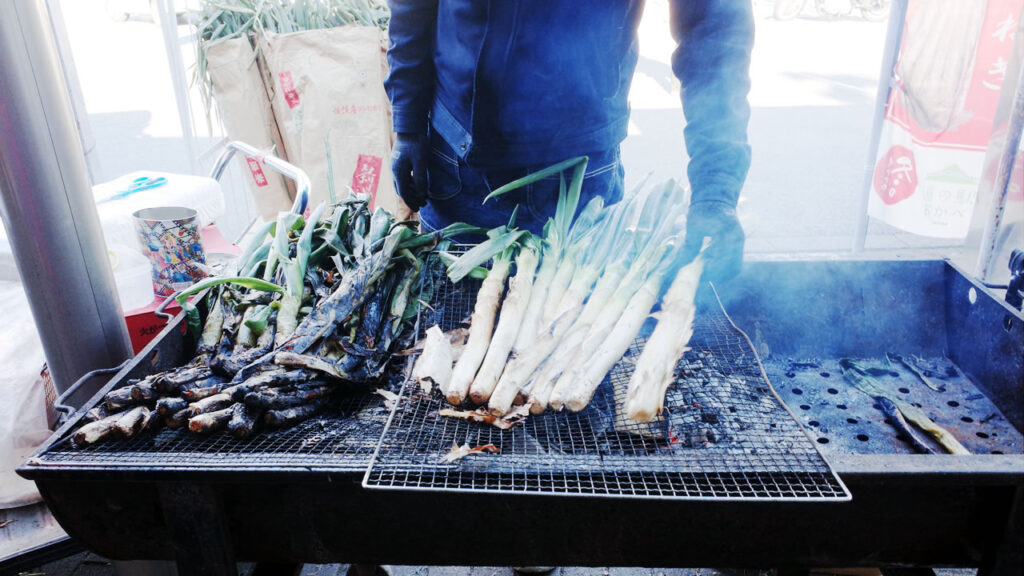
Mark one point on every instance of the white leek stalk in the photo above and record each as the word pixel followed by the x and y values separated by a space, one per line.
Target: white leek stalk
pixel 568 346
pixel 535 308
pixel 575 394
pixel 655 368
pixel 481 326
pixel 434 366
pixel 512 309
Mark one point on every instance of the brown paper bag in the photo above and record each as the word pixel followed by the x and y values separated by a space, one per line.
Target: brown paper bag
pixel 245 110
pixel 328 98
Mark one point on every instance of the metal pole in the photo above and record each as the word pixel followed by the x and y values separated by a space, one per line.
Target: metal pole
pixel 47 204
pixel 990 246
pixel 164 13
pixel 893 36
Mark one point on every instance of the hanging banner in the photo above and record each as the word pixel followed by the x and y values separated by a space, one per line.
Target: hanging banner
pixel 938 122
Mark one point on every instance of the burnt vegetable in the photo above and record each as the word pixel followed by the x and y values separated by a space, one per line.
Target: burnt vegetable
pixel 313 306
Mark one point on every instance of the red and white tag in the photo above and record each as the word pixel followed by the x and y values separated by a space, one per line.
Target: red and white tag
pixel 366 176
pixel 291 96
pixel 256 169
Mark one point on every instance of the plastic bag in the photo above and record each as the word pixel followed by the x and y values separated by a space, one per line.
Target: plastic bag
pixel 23 420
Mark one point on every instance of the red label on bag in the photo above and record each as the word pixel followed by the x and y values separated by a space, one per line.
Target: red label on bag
pixel 367 175
pixel 256 169
pixel 288 89
pixel 896 175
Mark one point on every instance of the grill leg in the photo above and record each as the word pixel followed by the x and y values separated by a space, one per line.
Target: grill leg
pixel 1009 556
pixel 198 528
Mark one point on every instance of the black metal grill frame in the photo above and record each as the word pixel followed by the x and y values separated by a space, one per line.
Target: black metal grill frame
pixel 770 457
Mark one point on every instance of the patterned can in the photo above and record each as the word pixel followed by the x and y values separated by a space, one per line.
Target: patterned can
pixel 170 238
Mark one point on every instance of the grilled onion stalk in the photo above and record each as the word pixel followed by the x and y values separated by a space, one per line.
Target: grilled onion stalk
pixel 434 365
pixel 556 240
pixel 480 328
pixel 655 233
pixel 512 309
pixel 574 393
pixel 642 227
pixel 603 347
pixel 655 368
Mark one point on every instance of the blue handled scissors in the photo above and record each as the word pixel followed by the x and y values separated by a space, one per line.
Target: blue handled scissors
pixel 138 185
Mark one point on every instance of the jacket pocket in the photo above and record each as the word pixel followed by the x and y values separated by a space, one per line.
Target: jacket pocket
pixel 444 181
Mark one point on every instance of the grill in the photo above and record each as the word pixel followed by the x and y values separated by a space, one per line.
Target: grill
pixel 909 510
pixel 342 438
pixel 724 433
pixel 844 420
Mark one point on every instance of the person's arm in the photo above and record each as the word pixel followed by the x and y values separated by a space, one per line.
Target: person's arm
pixel 713 66
pixel 410 88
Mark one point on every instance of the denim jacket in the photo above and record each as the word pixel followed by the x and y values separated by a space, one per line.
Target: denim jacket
pixel 527 82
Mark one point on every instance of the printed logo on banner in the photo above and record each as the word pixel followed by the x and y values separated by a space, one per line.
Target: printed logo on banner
pixel 367 175
pixel 896 175
pixel 288 89
pixel 256 169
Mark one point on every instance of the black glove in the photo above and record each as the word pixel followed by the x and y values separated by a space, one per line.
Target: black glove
pixel 409 166
pixel 724 255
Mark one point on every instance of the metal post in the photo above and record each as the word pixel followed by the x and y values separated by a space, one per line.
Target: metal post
pixel 1006 138
pixel 166 18
pixel 897 16
pixel 47 204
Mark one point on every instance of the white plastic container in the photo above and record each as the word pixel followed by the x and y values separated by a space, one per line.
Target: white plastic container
pixel 201 193
pixel 133 277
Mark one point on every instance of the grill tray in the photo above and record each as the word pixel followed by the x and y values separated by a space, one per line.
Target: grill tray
pixel 342 438
pixel 725 435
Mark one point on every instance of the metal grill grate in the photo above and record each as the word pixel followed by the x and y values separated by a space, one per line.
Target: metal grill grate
pixel 724 433
pixel 341 438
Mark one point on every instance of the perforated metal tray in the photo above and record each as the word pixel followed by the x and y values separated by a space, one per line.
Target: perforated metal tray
pixel 725 432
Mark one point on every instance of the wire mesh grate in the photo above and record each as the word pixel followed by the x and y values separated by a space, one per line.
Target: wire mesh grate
pixel 343 437
pixel 723 434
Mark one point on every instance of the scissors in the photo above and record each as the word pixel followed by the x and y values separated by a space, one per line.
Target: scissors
pixel 138 185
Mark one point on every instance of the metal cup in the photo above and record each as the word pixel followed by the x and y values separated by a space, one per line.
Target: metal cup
pixel 170 238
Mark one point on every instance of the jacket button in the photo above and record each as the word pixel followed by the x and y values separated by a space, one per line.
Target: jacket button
pixel 462 146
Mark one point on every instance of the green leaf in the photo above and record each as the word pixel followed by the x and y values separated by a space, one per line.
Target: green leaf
pixel 195 325
pixel 243 281
pixel 258 320
pixel 484 252
pixel 536 176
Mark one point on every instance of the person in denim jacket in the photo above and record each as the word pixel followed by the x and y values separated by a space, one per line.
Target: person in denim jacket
pixel 486 91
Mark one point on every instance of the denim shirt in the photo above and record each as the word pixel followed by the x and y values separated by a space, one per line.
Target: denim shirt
pixel 532 82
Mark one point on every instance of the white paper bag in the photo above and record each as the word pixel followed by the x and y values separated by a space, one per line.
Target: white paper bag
pixel 333 113
pixel 245 109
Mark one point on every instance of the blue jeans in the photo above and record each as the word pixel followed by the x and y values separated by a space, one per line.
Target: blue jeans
pixel 457 191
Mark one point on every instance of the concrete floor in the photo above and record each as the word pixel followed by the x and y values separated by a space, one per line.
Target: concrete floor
pixel 88 564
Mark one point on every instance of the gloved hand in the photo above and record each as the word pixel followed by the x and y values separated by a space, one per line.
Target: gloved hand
pixel 409 167
pixel 723 257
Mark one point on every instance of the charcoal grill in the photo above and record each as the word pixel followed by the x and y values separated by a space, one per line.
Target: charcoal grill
pixel 906 509
pixel 724 432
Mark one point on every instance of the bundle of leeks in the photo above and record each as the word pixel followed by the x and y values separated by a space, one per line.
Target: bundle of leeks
pixel 579 296
pixel 313 306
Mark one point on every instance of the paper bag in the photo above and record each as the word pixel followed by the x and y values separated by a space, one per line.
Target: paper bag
pixel 245 109
pixel 333 113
